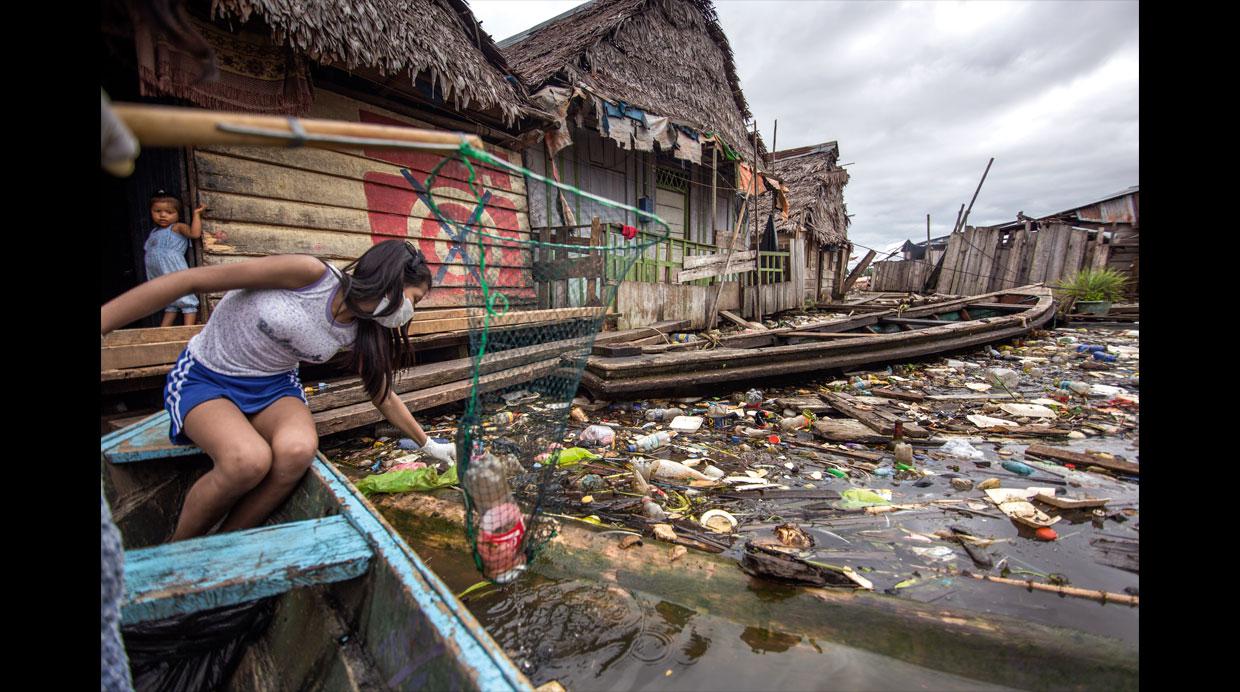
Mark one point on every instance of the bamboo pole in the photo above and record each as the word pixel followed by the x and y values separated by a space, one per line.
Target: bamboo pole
pixel 1100 596
pixel 170 126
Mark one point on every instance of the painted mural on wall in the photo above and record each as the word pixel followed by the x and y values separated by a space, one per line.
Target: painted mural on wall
pixel 335 204
pixel 400 208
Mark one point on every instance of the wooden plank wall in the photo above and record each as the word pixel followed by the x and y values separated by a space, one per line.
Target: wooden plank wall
pixel 598 165
pixel 641 304
pixel 899 276
pixel 980 260
pixel 336 204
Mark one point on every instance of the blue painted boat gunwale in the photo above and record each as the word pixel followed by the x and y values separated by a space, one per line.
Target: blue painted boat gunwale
pixel 118 436
pixel 493 667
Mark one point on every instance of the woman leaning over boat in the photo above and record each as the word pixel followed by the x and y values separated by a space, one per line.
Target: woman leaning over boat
pixel 235 390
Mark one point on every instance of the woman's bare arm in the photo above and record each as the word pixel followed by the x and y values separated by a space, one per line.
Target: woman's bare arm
pixel 277 271
pixel 397 413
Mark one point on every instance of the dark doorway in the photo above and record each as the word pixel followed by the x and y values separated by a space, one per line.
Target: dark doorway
pixel 125 203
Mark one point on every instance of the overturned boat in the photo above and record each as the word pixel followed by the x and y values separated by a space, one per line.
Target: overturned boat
pixel 851 341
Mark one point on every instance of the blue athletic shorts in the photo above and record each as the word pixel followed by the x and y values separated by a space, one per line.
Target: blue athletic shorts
pixel 191 383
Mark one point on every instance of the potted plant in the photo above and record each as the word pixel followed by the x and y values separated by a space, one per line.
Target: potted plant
pixel 1094 290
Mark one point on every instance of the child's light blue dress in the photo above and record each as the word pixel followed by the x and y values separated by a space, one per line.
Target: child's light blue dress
pixel 165 253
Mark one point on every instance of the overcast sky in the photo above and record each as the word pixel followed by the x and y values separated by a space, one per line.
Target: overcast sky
pixel 920 95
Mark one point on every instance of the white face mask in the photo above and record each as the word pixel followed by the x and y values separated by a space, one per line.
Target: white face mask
pixel 396 319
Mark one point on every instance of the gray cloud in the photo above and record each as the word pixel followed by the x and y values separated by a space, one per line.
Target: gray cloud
pixel 920 95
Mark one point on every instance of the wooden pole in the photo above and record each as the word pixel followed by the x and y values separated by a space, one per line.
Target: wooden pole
pixel 714 191
pixel 959 215
pixel 965 220
pixel 171 126
pixel 756 233
pixel 713 311
pixel 1100 596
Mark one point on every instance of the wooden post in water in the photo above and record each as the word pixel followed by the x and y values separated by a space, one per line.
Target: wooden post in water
pixel 756 233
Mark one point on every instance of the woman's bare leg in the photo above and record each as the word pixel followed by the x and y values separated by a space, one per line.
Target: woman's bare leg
pixel 168 320
pixel 191 318
pixel 288 427
pixel 242 459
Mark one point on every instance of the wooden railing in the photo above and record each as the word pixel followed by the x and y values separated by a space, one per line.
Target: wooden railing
pixel 662 261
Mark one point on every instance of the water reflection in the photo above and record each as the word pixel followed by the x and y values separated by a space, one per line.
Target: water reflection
pixel 761 640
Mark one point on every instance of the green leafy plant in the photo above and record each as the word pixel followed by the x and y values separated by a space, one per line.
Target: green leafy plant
pixel 1089 285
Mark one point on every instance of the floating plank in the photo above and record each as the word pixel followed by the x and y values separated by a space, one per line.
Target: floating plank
pixel 1083 460
pixel 238 567
pixel 803 403
pixel 898 394
pixel 873 419
pixel 848 430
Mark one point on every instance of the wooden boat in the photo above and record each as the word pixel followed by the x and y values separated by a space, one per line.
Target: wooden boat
pixel 853 341
pixel 354 605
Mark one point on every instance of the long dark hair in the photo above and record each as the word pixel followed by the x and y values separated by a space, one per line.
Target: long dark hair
pixel 384 270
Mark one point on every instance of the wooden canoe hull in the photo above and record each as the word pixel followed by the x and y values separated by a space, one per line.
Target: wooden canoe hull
pixel 671 371
pixel 397 626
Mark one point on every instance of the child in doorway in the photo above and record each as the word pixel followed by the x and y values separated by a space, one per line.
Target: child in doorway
pixel 165 250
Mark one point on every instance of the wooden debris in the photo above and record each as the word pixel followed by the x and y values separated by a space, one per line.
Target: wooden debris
pixel 1083 460
pixel 1100 596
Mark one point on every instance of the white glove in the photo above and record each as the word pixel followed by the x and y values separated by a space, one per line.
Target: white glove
pixel 443 451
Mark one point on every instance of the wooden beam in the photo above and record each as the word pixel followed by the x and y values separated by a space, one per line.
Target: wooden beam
pixel 856 272
pixel 719 258
pixel 718 270
pixel 823 335
pixel 138 337
pixel 733 317
pixel 171 126
pixel 240 566
pixel 351 391
pixel 357 415
pixel 509 319
pixel 139 355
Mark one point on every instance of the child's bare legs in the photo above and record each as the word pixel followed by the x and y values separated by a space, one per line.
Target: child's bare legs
pixel 191 318
pixel 170 317
pixel 242 460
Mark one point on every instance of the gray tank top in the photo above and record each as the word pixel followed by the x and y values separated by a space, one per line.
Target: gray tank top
pixel 262 332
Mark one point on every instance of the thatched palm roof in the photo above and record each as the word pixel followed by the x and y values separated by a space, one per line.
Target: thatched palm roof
pixel 667 56
pixel 815 192
pixel 438 38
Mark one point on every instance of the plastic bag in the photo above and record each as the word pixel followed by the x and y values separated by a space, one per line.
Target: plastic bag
pixel 962 450
pixel 198 651
pixel 856 498
pixel 574 455
pixel 402 481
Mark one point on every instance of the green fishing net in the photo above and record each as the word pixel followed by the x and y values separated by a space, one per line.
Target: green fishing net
pixel 536 301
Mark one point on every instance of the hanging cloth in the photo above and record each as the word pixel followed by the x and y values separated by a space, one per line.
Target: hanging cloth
pixel 769 243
